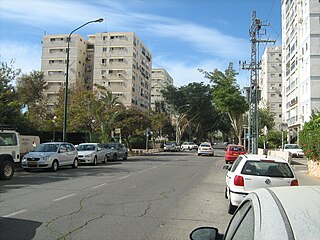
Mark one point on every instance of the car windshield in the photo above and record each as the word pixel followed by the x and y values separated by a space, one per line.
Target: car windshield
pixel 46 148
pixel 205 145
pixel 267 168
pixel 292 146
pixel 110 145
pixel 86 147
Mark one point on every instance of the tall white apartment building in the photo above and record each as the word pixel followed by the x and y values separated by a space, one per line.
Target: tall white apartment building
pixel 53 62
pixel 118 61
pixel 160 79
pixel 301 62
pixel 270 82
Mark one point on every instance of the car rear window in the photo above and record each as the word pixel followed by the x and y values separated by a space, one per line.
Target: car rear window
pixel 236 149
pixel 268 169
pixel 205 145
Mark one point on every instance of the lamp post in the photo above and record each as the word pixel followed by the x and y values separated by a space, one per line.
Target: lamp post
pixel 67 76
pixel 54 128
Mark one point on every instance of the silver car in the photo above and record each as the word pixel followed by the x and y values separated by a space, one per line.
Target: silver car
pixel 272 214
pixel 51 155
pixel 91 153
pixel 116 151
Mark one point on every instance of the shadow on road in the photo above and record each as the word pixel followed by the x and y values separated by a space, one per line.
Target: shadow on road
pixel 26 228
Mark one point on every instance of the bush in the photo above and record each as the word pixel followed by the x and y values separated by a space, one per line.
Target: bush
pixel 310 137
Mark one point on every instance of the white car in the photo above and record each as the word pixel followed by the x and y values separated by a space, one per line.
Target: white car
pixel 205 149
pixel 91 153
pixel 189 146
pixel 271 214
pixel 294 149
pixel 250 172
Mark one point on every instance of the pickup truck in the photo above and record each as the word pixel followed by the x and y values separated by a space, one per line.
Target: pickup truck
pixel 12 147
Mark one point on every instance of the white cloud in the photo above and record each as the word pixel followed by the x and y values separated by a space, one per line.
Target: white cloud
pixel 27 57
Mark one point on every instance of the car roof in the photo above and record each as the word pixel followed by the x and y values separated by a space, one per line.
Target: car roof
pixel 88 144
pixel 300 205
pixel 234 145
pixel 263 157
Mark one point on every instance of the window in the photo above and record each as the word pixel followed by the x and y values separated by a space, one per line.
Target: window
pixel 104 49
pixel 235 164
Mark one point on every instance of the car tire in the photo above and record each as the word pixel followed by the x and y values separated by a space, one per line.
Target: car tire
pixel 231 208
pixel 54 166
pixel 114 158
pixel 125 157
pixel 94 163
pixel 75 163
pixel 105 159
pixel 199 154
pixel 7 170
pixel 226 194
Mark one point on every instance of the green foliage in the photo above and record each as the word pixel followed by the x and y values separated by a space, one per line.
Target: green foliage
pixel 273 139
pixel 310 137
pixel 266 118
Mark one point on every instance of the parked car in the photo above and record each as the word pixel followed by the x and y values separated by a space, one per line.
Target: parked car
pixel 272 214
pixel 205 149
pixel 51 155
pixel 91 153
pixel 116 151
pixel 171 147
pixel 250 172
pixel 294 150
pixel 233 151
pixel 189 146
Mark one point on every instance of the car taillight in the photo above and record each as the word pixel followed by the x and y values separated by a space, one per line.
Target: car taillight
pixel 294 183
pixel 239 181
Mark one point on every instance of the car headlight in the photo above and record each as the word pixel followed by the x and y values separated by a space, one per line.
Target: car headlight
pixel 89 155
pixel 46 158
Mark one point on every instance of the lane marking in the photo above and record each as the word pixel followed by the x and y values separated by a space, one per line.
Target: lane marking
pixel 124 177
pixel 100 185
pixel 142 171
pixel 154 167
pixel 61 198
pixel 15 213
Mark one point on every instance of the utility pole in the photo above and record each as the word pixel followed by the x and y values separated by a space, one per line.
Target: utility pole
pixel 254 94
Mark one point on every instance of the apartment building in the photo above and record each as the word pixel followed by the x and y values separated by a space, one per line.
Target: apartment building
pixel 53 62
pixel 160 79
pixel 118 61
pixel 301 61
pixel 270 82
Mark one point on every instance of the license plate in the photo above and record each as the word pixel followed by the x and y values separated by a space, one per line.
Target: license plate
pixel 32 164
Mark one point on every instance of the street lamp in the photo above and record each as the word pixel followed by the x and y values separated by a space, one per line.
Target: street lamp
pixel 54 128
pixel 67 76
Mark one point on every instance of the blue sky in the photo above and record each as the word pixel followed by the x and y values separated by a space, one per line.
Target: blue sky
pixel 182 35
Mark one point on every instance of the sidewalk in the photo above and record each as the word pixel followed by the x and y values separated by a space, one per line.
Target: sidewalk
pixel 300 166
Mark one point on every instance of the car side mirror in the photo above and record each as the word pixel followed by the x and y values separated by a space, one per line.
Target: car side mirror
pixel 227 167
pixel 204 233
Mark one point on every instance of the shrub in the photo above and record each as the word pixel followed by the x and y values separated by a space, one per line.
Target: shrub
pixel 310 137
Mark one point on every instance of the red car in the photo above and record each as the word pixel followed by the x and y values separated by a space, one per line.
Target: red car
pixel 233 151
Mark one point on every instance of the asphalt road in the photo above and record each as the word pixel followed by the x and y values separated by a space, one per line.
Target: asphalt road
pixel 160 196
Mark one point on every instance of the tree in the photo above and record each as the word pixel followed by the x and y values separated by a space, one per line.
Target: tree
pixel 10 106
pixel 227 97
pixel 266 119
pixel 310 137
pixel 132 121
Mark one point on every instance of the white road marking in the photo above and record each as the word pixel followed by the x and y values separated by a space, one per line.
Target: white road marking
pixel 154 167
pixel 124 177
pixel 142 171
pixel 15 213
pixel 100 185
pixel 58 199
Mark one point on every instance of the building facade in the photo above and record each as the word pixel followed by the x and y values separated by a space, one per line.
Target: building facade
pixel 270 82
pixel 301 61
pixel 160 80
pixel 118 61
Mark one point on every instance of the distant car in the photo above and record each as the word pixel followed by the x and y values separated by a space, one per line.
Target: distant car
pixel 294 149
pixel 271 214
pixel 205 149
pixel 116 151
pixel 233 151
pixel 250 172
pixel 91 153
pixel 51 155
pixel 189 146
pixel 171 147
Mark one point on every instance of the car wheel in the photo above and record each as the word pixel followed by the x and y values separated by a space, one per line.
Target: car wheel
pixel 94 163
pixel 231 208
pixel 114 157
pixel 55 166
pixel 105 159
pixel 226 194
pixel 199 154
pixel 125 157
pixel 7 170
pixel 75 163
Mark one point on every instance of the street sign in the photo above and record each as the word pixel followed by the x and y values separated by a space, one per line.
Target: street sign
pixel 117 130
